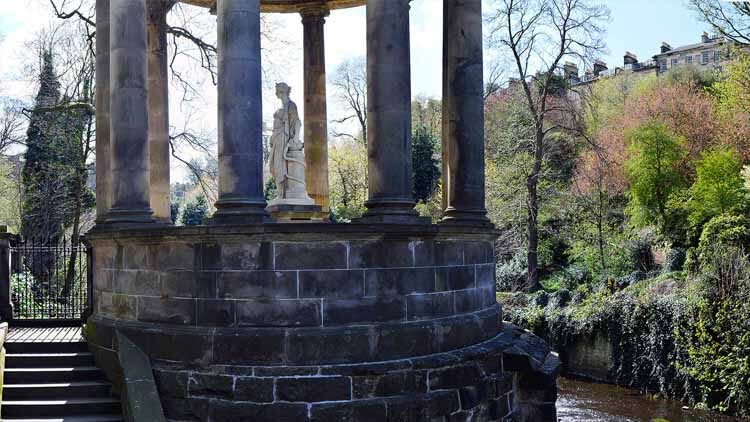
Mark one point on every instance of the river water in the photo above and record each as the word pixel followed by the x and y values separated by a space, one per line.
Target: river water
pixel 580 401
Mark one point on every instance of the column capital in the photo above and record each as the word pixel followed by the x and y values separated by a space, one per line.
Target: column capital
pixel 314 13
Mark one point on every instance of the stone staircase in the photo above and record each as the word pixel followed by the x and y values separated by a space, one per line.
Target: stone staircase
pixel 55 381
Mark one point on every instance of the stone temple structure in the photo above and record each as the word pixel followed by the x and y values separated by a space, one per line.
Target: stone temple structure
pixel 389 318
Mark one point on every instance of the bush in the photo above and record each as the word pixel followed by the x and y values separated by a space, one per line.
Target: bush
pixel 641 256
pixel 675 259
pixel 511 275
pixel 722 233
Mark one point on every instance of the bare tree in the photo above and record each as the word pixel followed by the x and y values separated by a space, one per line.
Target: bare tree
pixel 540 35
pixel 350 83
pixel 11 124
pixel 729 18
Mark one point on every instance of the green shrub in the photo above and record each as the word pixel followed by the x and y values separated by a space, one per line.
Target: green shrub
pixel 511 275
pixel 720 233
pixel 641 255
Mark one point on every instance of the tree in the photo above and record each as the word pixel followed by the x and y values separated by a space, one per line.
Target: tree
pixel 653 174
pixel 544 33
pixel 194 211
pixel 729 18
pixel 350 83
pixel 348 180
pixel 426 168
pixel 718 187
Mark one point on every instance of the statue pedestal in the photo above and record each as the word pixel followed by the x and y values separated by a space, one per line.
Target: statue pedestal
pixel 284 212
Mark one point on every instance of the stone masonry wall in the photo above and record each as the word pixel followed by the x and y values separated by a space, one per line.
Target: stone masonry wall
pixel 315 322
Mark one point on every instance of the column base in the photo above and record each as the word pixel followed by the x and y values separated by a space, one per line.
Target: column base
pixel 476 218
pixel 240 212
pixel 292 213
pixel 392 212
pixel 129 216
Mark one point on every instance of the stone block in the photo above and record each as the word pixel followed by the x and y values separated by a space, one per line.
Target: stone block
pixel 285 371
pixel 423 407
pixel 135 257
pixel 210 385
pixel 454 377
pixel 354 411
pixel 381 254
pixel 498 408
pixel 431 253
pixel 461 332
pixel 104 279
pixel 329 345
pixel 179 344
pixel 430 305
pixel 279 313
pixel 221 410
pixel 257 284
pixel 401 383
pixel 331 284
pixel 470 397
pixel 406 340
pixel 166 310
pixel 251 347
pixel 310 256
pixel 254 389
pixel 399 281
pixel 117 305
pixel 478 252
pixel 187 284
pixel 247 256
pixel 313 389
pixel 208 256
pixel 172 256
pixel 504 383
pixel 460 278
pixel 136 282
pixel 216 312
pixel 468 301
pixel 171 383
pixel 104 256
pixel 486 275
pixel 181 409
pixel 348 311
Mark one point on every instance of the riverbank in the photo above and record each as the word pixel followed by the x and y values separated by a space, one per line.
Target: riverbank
pixel 581 401
pixel 669 335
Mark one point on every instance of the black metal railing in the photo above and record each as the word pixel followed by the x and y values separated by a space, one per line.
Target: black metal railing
pixel 49 279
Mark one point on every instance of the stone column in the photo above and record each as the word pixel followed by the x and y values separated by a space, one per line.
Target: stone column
pixel 158 108
pixel 463 113
pixel 316 115
pixel 240 116
pixel 103 189
pixel 389 112
pixel 129 113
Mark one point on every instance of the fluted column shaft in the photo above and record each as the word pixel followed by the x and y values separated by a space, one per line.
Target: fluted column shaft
pixel 463 113
pixel 389 112
pixel 316 114
pixel 129 112
pixel 103 187
pixel 240 115
pixel 158 108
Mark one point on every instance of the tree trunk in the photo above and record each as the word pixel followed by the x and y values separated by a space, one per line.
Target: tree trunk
pixel 70 275
pixel 532 281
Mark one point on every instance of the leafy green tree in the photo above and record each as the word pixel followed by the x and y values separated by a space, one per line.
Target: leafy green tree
pixel 652 170
pixel 194 211
pixel 426 168
pixel 718 187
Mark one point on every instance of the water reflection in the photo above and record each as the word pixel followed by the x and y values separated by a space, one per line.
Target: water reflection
pixel 580 401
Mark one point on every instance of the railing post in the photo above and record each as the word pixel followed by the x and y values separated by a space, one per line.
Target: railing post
pixel 89 308
pixel 6 306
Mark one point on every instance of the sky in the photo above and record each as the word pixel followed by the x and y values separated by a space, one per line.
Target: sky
pixel 638 26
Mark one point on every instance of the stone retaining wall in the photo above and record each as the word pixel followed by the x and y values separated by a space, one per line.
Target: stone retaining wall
pixel 285 321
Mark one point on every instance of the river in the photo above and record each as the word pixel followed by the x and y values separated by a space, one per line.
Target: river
pixel 580 401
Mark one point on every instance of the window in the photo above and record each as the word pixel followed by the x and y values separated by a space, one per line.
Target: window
pixel 674 62
pixel 717 56
pixel 689 59
pixel 704 57
pixel 662 65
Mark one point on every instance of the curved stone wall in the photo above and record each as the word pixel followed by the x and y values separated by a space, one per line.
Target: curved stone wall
pixel 208 304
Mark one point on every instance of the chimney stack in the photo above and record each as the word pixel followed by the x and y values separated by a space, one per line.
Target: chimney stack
pixel 665 47
pixel 705 38
pixel 630 58
pixel 571 72
pixel 599 67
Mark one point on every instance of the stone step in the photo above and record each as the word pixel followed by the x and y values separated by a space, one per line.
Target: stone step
pixel 91 418
pixel 59 408
pixel 42 347
pixel 52 375
pixel 64 390
pixel 42 360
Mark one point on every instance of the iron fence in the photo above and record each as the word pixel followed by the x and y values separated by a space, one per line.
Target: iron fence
pixel 49 280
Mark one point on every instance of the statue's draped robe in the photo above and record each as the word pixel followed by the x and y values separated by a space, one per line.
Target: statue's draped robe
pixel 286 131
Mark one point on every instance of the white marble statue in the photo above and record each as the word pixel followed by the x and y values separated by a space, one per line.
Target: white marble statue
pixel 287 160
